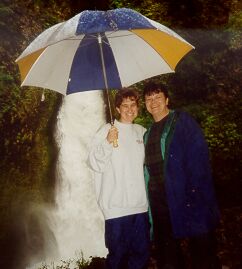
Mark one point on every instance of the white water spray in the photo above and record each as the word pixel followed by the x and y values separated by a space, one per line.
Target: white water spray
pixel 74 228
pixel 79 223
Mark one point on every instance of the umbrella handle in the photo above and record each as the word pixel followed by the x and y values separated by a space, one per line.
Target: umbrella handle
pixel 115 143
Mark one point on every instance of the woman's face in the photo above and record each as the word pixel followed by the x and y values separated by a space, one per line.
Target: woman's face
pixel 128 110
pixel 156 104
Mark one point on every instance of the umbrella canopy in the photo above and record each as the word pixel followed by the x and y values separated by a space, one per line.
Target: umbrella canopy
pixel 100 49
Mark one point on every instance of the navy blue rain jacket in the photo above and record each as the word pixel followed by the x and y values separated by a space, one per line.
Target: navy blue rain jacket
pixel 188 181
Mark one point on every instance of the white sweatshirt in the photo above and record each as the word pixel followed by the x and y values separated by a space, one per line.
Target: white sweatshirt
pixel 118 172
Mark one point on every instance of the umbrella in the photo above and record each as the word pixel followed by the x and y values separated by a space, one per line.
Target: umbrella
pixel 101 50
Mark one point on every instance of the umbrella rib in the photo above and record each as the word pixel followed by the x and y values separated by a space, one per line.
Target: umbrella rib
pixel 118 35
pixel 88 37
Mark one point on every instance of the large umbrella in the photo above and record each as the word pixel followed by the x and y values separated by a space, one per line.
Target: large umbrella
pixel 101 50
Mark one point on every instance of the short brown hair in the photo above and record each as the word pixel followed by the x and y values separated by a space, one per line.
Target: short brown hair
pixel 154 87
pixel 124 93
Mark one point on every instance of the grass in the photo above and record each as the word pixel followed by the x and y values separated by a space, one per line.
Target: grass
pixel 81 263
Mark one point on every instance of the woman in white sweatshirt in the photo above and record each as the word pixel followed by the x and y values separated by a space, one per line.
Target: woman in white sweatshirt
pixel 120 185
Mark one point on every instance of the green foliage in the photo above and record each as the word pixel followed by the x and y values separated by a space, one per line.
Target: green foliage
pixel 150 8
pixel 79 263
pixel 196 13
pixel 221 136
pixel 5 12
pixel 26 149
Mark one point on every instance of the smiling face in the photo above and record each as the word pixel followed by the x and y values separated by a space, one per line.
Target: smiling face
pixel 156 103
pixel 128 110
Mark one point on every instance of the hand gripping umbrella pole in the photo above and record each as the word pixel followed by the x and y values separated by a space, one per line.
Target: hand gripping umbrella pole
pixel 115 143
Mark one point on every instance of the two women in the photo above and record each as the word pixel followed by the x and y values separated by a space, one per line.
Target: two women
pixel 179 186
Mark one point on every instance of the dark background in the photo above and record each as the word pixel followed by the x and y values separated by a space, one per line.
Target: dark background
pixel 207 83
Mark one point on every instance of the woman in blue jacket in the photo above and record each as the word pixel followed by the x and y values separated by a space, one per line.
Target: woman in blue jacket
pixel 179 185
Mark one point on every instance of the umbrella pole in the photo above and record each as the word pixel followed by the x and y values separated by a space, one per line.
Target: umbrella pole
pixel 115 143
pixel 105 76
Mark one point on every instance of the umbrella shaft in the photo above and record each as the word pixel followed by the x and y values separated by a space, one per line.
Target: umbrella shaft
pixel 105 76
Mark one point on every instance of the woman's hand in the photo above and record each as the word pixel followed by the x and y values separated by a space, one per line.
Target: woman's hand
pixel 112 135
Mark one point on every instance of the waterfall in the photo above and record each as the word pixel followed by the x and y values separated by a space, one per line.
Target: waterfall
pixel 74 228
pixel 79 224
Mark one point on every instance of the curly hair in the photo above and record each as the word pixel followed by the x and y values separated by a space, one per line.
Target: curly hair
pixel 124 93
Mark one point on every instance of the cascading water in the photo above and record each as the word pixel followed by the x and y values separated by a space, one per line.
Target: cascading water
pixel 79 225
pixel 74 228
